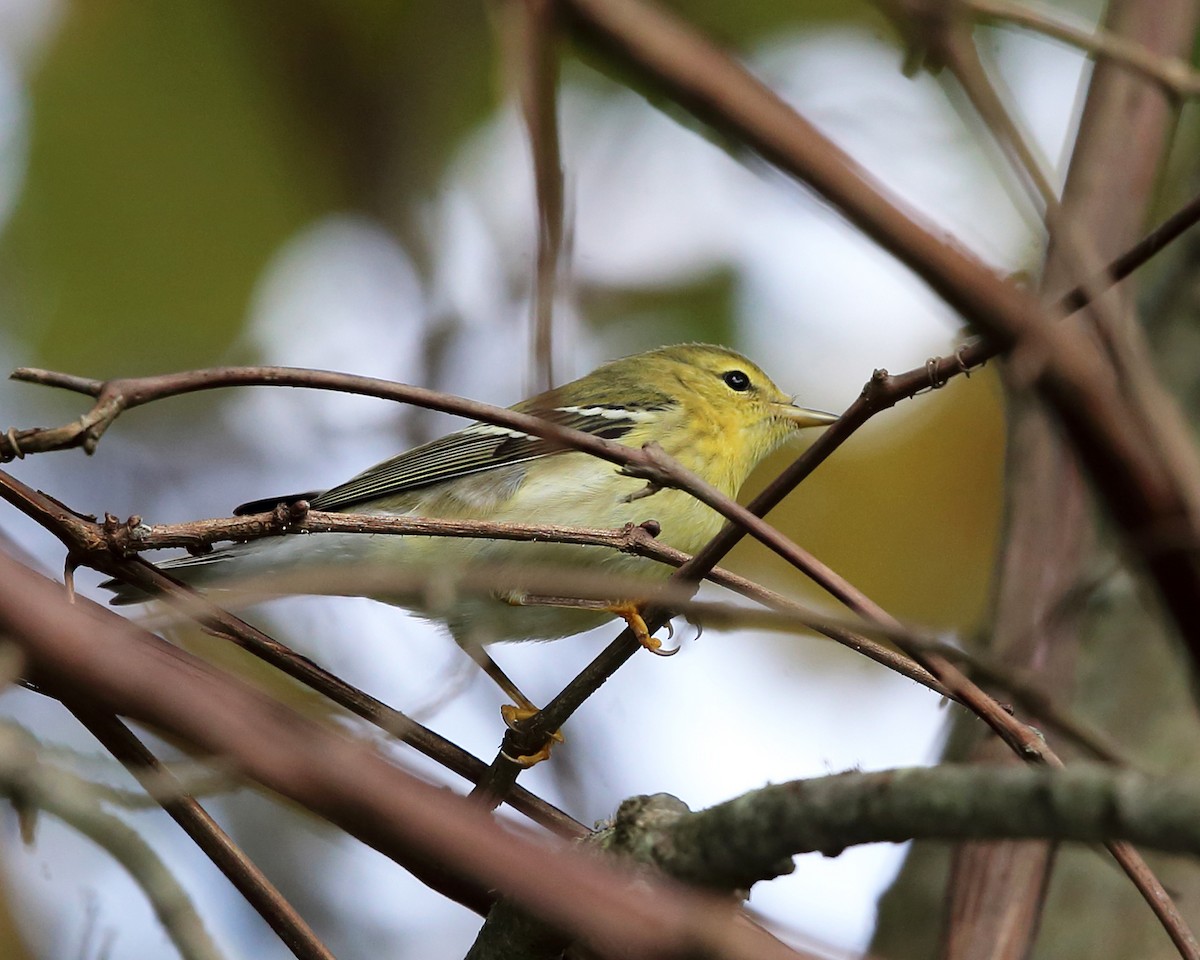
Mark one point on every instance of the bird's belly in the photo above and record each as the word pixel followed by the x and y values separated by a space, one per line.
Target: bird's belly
pixel 492 591
pixel 479 620
pixel 524 573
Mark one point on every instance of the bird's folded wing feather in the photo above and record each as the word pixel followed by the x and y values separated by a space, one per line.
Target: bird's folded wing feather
pixel 478 448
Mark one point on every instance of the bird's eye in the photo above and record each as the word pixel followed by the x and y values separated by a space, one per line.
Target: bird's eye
pixel 736 380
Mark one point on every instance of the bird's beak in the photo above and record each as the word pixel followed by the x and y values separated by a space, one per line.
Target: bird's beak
pixel 803 416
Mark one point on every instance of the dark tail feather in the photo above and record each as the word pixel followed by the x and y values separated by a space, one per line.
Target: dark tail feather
pixel 196 571
pixel 126 594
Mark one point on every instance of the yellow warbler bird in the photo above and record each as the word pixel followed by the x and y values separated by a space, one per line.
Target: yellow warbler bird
pixel 708 407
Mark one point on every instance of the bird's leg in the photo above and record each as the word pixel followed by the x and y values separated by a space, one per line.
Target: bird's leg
pixel 502 680
pixel 627 610
pixel 513 713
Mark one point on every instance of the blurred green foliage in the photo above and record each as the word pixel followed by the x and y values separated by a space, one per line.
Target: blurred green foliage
pixel 642 319
pixel 161 178
pixel 174 147
pixel 12 946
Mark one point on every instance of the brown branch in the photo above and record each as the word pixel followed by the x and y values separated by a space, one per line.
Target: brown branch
pixel 1140 253
pixel 135 536
pixel 1173 74
pixel 533 61
pixel 115 396
pixel 633 836
pixel 752 837
pixel 229 858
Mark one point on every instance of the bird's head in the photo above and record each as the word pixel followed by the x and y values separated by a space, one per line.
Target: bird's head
pixel 715 407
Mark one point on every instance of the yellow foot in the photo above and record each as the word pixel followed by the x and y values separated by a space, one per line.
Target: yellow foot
pixel 632 615
pixel 512 716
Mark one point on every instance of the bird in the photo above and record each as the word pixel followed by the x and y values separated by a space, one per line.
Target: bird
pixel 710 408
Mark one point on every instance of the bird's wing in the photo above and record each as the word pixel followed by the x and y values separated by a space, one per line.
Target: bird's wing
pixel 478 448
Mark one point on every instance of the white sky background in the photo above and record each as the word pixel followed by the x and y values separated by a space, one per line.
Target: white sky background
pixel 654 204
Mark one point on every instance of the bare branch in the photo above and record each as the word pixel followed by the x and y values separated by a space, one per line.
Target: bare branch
pixel 135 536
pixel 533 61
pixel 217 845
pixel 116 396
pixel 1175 75
pixel 639 833
pixel 752 837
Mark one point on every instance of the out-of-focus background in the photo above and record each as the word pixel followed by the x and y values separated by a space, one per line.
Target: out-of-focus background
pixel 348 186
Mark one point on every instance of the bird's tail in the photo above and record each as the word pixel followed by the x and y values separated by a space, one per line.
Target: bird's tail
pixel 202 572
pixel 267 564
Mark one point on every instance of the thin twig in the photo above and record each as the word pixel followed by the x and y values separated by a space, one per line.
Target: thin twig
pixel 115 396
pixel 135 536
pixel 1175 75
pixel 533 41
pixel 217 845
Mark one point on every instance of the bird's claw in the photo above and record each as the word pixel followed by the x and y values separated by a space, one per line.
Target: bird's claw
pixel 655 646
pixel 513 715
pixel 632 616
